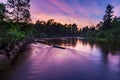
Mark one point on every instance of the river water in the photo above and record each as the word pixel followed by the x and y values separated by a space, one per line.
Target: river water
pixel 80 60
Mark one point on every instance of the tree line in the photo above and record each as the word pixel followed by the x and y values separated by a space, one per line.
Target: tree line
pixel 15 25
pixel 105 30
pixel 15 21
pixel 54 29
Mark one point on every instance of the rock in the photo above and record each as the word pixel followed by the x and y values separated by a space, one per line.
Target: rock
pixel 12 55
pixel 4 62
pixel 2 51
pixel 20 44
pixel 16 48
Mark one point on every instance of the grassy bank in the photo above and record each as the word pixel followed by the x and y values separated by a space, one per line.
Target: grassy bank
pixel 104 40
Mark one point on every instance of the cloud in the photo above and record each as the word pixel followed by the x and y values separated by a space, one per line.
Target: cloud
pixel 4 1
pixel 81 12
pixel 64 12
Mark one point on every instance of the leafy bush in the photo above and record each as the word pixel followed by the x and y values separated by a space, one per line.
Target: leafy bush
pixel 43 35
pixel 15 35
pixel 10 32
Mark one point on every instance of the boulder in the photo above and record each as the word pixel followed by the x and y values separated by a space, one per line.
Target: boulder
pixel 4 62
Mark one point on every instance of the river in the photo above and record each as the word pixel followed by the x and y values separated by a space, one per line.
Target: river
pixel 80 60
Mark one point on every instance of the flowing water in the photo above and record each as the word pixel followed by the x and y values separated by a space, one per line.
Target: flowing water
pixel 80 60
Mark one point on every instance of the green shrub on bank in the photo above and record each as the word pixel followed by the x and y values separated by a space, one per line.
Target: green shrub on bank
pixel 15 35
pixel 98 39
pixel 10 32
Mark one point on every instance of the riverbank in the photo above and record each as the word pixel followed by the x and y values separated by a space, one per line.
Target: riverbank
pixel 95 39
pixel 10 51
pixel 103 40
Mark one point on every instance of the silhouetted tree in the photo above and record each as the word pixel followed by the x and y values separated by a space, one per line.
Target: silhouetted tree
pixel 50 22
pixel 19 10
pixel 37 22
pixel 2 11
pixel 99 26
pixel 108 17
pixel 74 29
pixel 85 29
pixel 55 29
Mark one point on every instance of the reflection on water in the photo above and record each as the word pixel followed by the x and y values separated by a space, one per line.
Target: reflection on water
pixel 106 53
pixel 81 60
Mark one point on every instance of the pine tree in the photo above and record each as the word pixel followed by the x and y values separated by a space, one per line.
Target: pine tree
pixel 107 19
pixel 74 29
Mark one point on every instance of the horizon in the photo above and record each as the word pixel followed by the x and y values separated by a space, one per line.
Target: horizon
pixel 82 12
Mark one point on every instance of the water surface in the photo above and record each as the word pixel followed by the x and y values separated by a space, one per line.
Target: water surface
pixel 81 60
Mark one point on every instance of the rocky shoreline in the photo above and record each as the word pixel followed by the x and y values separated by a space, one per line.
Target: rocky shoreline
pixel 10 51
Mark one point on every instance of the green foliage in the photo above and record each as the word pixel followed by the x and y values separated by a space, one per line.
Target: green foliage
pixel 28 29
pixel 43 35
pixel 15 35
pixel 108 30
pixel 54 29
pixel 103 40
pixel 10 32
pixel 14 21
pixel 101 34
pixel 2 11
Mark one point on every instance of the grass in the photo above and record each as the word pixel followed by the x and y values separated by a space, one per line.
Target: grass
pixel 98 39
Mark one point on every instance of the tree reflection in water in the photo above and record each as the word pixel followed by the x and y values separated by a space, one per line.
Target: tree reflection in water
pixel 109 52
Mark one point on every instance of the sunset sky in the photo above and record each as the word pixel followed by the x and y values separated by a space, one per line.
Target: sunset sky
pixel 81 12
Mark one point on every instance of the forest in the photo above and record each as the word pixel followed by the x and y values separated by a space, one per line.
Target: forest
pixel 16 25
pixel 106 30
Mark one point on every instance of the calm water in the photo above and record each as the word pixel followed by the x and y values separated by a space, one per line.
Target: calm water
pixel 81 60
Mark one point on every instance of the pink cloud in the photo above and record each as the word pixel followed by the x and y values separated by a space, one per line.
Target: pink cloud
pixel 4 1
